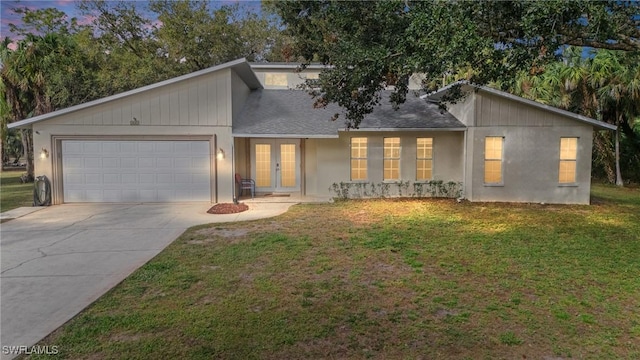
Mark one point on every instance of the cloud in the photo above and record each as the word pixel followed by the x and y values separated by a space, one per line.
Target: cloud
pixel 86 19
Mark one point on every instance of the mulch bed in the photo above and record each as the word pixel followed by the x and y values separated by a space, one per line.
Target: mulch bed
pixel 228 208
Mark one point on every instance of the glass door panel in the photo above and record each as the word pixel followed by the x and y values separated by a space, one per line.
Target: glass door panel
pixel 263 165
pixel 288 165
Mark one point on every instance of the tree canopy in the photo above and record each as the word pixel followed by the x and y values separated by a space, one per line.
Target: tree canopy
pixel 371 45
pixel 57 62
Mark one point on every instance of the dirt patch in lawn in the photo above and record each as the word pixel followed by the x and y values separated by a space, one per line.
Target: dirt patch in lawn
pixel 228 208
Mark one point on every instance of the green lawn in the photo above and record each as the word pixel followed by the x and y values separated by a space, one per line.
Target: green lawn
pixel 407 279
pixel 14 194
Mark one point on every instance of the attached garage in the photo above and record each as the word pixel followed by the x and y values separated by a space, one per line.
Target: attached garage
pixel 136 171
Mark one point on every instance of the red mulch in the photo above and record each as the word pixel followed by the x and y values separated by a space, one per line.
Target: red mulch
pixel 228 208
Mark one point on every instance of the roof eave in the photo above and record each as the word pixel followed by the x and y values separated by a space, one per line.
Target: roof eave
pixel 403 129
pixel 256 65
pixel 287 136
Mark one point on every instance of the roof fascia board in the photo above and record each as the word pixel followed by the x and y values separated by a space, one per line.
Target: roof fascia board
pixel 285 136
pixel 286 66
pixel 402 129
pixel 241 66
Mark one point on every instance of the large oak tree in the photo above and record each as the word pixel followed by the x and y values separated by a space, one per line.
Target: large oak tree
pixel 371 45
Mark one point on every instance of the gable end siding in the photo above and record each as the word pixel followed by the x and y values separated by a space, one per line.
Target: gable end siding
pixel 493 110
pixel 201 101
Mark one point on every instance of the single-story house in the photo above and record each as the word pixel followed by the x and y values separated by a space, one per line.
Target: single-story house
pixel 184 139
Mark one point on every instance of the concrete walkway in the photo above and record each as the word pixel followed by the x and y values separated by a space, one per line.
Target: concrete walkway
pixel 58 260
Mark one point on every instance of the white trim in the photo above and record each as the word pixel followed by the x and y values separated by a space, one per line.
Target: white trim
pixel 402 129
pixel 286 66
pixel 285 136
pixel 246 74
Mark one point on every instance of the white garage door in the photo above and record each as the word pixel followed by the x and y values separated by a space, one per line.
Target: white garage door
pixel 136 171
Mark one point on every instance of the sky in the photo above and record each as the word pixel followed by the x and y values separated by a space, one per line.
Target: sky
pixel 7 15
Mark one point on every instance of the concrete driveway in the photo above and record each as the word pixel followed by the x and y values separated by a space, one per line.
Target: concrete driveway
pixel 57 261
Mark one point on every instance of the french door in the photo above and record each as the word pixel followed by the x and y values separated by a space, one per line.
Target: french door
pixel 275 164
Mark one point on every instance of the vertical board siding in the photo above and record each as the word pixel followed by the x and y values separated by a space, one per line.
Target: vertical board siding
pixel 193 105
pixel 184 107
pixel 201 101
pixel 154 115
pixel 495 111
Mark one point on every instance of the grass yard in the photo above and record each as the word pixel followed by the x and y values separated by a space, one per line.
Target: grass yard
pixel 406 279
pixel 14 194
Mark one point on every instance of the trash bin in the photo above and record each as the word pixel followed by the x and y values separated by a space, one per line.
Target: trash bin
pixel 41 191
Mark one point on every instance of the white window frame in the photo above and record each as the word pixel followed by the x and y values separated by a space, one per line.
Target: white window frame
pixel 494 159
pixel 359 158
pixel 418 159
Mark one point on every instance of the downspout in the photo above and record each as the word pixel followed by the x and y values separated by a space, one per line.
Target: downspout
pixel 464 166
pixel 233 172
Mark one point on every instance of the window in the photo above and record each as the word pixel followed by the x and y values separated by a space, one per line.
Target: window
pixel 391 159
pixel 275 79
pixel 568 156
pixel 358 158
pixel 493 152
pixel 424 159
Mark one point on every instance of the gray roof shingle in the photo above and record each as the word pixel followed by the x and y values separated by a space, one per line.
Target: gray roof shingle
pixel 291 113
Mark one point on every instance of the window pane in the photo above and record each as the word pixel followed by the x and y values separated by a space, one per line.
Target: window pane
pixel 423 170
pixel 567 173
pixel 493 148
pixel 263 165
pixel 424 156
pixel 275 79
pixel 493 159
pixel 568 148
pixel 287 165
pixel 358 169
pixel 391 169
pixel 391 147
pixel 493 171
pixel 391 155
pixel 358 147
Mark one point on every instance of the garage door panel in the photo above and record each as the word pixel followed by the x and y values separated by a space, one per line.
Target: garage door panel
pixel 111 162
pixel 92 162
pixel 136 171
pixel 127 147
pixel 72 148
pixel 129 163
pixel 112 179
pixel 111 147
pixel 91 147
pixel 146 147
pixel 164 162
pixel 147 162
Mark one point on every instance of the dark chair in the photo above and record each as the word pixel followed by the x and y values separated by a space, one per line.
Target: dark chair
pixel 246 184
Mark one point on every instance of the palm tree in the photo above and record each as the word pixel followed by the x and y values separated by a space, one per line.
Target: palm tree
pixel 24 76
pixel 605 86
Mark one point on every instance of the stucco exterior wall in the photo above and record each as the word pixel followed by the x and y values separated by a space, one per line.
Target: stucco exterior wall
pixel 330 161
pixel 531 154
